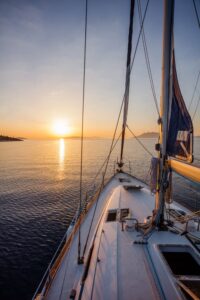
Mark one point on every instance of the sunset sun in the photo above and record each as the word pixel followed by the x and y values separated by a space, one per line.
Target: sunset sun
pixel 61 128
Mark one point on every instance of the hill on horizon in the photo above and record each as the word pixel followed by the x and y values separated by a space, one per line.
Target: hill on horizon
pixel 4 138
pixel 149 135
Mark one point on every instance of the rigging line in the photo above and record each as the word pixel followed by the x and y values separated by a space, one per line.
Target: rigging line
pixel 106 158
pixel 82 127
pixel 191 101
pixel 101 186
pixel 136 47
pixel 103 177
pixel 196 12
pixel 139 141
pixel 196 108
pixel 105 170
pixel 147 59
pixel 132 62
pixel 127 81
pixel 141 27
pixel 104 162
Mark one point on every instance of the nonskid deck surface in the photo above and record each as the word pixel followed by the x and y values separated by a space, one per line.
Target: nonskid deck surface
pixel 122 271
pixel 119 269
pixel 69 271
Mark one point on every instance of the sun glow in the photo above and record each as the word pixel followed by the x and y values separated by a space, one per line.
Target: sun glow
pixel 61 128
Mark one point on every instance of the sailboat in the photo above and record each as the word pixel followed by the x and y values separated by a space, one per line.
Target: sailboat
pixel 131 241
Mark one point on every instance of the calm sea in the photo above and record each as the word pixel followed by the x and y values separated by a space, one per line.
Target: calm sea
pixel 39 192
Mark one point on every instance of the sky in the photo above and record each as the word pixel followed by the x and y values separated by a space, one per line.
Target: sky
pixel 41 65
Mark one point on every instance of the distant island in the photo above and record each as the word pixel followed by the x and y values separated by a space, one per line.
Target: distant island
pixel 149 135
pixel 4 138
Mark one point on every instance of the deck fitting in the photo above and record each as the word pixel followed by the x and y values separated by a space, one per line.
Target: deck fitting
pixel 80 260
pixel 72 294
pixel 140 242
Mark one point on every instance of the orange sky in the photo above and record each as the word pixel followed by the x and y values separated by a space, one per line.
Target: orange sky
pixel 41 66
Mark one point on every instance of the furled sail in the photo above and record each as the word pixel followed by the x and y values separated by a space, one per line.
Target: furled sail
pixel 180 132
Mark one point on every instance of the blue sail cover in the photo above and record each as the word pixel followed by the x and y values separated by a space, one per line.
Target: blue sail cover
pixel 180 133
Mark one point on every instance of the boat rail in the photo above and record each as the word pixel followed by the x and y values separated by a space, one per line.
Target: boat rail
pixel 47 275
pixel 46 279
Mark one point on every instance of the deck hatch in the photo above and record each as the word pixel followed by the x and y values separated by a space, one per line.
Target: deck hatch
pixel 182 263
pixel 185 266
pixel 124 212
pixel 112 215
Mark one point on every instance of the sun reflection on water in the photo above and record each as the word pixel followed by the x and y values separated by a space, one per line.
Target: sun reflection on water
pixel 61 158
pixel 61 151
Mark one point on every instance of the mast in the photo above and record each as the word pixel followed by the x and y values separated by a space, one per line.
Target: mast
pixel 164 107
pixel 127 82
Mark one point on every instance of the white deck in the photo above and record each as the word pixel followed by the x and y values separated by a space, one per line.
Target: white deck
pixel 119 269
pixel 122 267
pixel 69 272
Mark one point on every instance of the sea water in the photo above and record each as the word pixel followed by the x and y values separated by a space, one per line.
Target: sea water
pixel 39 194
